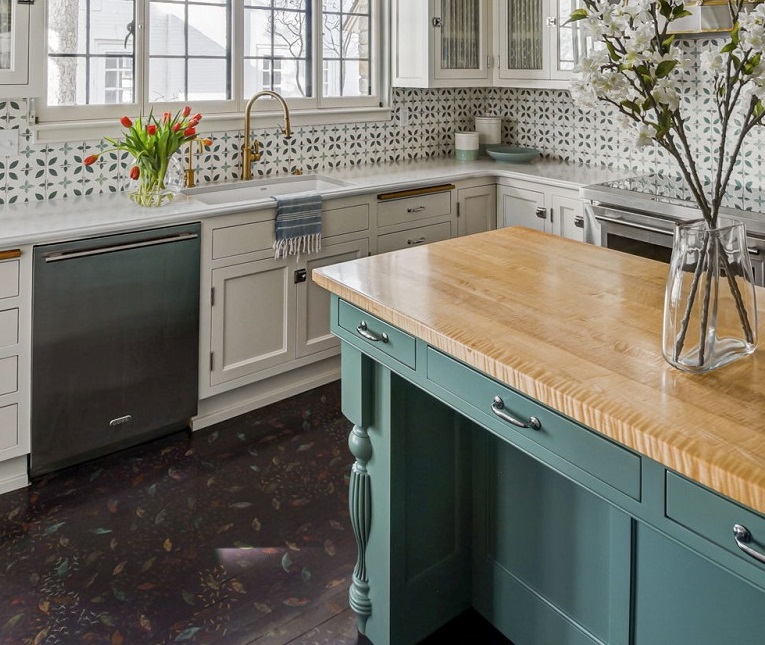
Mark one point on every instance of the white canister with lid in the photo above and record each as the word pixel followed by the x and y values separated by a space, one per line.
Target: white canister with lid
pixel 466 146
pixel 489 130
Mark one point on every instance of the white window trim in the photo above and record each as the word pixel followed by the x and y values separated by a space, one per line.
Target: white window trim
pixel 61 124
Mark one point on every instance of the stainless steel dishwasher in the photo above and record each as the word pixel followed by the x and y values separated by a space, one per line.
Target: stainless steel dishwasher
pixel 115 347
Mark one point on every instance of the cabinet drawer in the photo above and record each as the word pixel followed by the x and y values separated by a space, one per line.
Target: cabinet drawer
pixel 9 426
pixel 340 221
pixel 414 237
pixel 713 516
pixel 242 238
pixel 9 327
pixel 9 374
pixel 398 211
pixel 391 341
pixel 9 279
pixel 587 450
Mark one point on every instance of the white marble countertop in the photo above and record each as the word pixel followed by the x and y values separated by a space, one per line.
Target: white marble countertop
pixel 77 217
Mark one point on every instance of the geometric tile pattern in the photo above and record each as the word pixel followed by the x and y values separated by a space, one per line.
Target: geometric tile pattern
pixel 422 126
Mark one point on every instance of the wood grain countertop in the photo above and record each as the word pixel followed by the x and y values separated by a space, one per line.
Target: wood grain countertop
pixel 578 328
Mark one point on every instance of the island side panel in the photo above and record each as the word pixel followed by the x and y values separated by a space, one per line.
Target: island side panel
pixel 409 501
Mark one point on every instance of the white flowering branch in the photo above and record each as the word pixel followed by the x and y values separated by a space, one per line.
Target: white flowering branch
pixel 637 67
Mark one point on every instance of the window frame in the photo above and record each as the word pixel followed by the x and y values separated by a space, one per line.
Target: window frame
pixel 61 123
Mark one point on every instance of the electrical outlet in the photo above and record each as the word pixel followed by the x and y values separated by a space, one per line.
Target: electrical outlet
pixel 9 143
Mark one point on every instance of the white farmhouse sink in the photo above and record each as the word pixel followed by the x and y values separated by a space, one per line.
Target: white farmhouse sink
pixel 254 189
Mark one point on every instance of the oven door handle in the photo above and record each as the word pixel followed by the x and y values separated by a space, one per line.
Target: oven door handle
pixel 644 227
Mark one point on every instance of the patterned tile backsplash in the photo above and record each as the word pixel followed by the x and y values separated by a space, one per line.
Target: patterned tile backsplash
pixel 422 126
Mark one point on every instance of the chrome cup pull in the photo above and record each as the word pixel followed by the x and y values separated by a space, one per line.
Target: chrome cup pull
pixel 375 338
pixel 498 408
pixel 743 536
pixel 418 209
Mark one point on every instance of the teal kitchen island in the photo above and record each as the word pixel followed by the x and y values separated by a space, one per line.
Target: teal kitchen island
pixel 522 448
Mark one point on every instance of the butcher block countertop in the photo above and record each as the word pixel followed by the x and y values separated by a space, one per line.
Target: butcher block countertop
pixel 578 328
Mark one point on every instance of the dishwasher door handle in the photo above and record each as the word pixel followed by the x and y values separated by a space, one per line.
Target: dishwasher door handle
pixel 99 250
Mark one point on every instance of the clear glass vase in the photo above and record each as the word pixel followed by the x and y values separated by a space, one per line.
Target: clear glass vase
pixel 710 311
pixel 151 189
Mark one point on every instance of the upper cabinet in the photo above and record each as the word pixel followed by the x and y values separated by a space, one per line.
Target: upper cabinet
pixel 448 43
pixel 534 45
pixel 17 75
pixel 440 43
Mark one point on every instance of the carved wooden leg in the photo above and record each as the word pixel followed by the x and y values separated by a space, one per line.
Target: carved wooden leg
pixel 360 503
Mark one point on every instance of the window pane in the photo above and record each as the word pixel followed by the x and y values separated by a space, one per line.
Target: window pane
pixel 189 50
pixel 85 39
pixel 345 47
pixel 277 47
pixel 284 76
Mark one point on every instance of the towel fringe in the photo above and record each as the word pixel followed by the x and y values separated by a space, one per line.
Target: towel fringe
pixel 297 245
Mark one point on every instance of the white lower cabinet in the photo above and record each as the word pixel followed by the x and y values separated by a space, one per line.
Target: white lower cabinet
pixel 262 317
pixel 253 318
pixel 15 365
pixel 476 208
pixel 546 208
pixel 313 334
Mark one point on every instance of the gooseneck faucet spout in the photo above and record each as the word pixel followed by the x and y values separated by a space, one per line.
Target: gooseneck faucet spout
pixel 251 150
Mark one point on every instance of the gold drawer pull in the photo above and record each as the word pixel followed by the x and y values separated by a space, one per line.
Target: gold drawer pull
pixel 498 408
pixel 375 338
pixel 414 192
pixel 743 536
pixel 10 254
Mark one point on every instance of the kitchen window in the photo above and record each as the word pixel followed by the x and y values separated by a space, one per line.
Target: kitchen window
pixel 106 58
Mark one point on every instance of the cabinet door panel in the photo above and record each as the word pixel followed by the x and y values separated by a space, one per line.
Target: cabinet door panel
pixel 14 46
pixel 519 207
pixel 568 217
pixel 681 597
pixel 549 547
pixel 313 302
pixel 251 318
pixel 477 209
pixel 459 41
pixel 524 39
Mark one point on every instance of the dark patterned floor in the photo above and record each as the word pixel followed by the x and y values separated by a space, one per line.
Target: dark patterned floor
pixel 235 534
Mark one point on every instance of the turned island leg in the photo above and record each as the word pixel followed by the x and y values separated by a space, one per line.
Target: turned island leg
pixel 357 383
pixel 361 514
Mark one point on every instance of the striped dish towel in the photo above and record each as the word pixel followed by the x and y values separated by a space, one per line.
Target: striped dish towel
pixel 298 224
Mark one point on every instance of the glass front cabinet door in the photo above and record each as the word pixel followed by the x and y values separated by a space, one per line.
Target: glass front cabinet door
pixel 440 43
pixel 459 40
pixel 14 42
pixel 534 41
pixel 16 17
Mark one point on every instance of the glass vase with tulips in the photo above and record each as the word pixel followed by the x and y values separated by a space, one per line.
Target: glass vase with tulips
pixel 152 142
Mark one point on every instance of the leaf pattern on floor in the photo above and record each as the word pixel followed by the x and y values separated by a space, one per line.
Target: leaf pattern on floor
pixel 225 535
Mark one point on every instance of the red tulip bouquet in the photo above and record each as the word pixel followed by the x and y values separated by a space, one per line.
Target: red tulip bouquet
pixel 152 142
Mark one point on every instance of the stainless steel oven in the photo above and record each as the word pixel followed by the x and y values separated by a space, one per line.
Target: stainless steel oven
pixel 622 222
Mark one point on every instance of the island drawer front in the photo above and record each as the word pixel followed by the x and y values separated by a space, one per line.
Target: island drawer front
pixel 414 237
pixel 9 279
pixel 397 344
pixel 243 238
pixel 408 209
pixel 348 219
pixel 713 516
pixel 593 453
